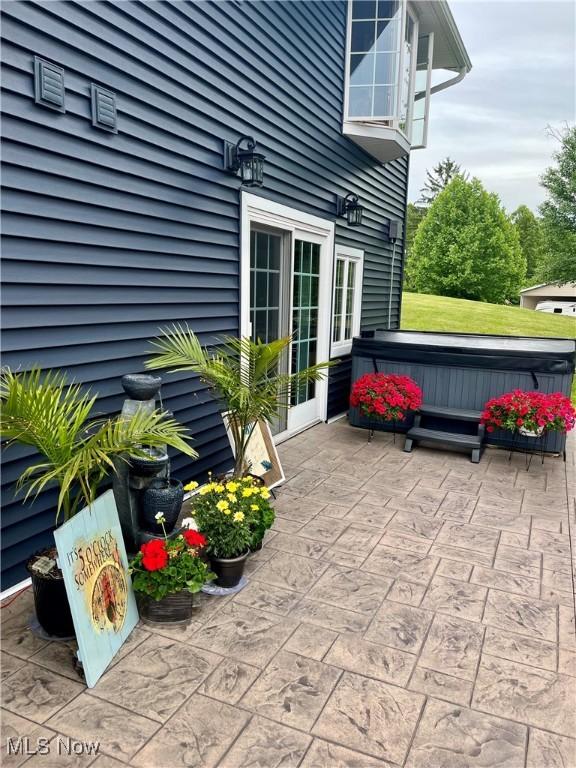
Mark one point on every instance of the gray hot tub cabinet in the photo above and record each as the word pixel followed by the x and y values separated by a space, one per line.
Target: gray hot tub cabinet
pixel 464 370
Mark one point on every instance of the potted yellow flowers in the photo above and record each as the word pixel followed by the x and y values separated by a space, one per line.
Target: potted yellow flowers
pixel 230 514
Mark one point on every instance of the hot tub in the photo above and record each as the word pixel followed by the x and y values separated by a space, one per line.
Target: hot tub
pixel 464 370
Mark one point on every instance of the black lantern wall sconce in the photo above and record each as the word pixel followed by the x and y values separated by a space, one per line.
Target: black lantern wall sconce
pixel 350 207
pixel 244 161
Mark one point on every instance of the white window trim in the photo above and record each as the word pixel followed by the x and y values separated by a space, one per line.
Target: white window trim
pixel 426 118
pixel 261 210
pixel 339 348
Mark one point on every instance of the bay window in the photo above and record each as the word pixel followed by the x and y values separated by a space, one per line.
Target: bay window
pixel 392 46
pixel 381 62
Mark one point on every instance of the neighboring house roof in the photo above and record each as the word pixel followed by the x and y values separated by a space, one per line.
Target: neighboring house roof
pixel 557 288
pixel 449 49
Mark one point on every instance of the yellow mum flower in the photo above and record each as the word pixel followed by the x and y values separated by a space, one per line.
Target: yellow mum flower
pixel 239 516
pixel 227 511
pixel 204 490
pixel 222 505
pixel 232 498
pixel 191 486
pixel 247 492
pixel 232 486
pixel 219 488
pixel 255 507
pixel 265 493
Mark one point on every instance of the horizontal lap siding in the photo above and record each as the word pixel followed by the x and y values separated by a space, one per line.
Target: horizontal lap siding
pixel 108 237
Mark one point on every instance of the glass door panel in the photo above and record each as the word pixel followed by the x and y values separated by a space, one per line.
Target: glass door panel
pixel 265 285
pixel 269 294
pixel 305 314
pixel 284 300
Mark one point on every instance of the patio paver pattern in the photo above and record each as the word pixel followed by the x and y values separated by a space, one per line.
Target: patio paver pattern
pixel 408 610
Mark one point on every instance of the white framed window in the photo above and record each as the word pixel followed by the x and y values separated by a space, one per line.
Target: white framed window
pixel 347 299
pixel 380 62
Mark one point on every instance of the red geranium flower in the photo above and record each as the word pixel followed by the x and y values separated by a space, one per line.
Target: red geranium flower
pixel 194 539
pixel 154 555
pixel 386 396
pixel 532 410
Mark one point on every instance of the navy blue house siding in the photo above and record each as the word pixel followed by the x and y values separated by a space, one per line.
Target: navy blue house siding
pixel 109 236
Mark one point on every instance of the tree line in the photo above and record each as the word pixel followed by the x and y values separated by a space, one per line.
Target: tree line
pixel 461 242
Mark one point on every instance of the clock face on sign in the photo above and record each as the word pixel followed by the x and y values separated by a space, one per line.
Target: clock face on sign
pixel 109 598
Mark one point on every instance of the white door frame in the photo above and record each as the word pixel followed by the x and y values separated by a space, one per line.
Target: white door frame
pixel 255 209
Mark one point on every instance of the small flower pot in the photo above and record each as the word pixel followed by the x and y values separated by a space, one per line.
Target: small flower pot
pixel 175 608
pixel 50 599
pixel 165 496
pixel 228 570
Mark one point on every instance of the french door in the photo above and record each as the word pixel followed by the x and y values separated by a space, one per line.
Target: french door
pixel 289 271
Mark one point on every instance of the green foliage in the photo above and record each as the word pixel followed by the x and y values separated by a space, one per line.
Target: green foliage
pixel 559 212
pixel 184 571
pixel 230 513
pixel 242 373
pixel 467 247
pixel 438 179
pixel 531 240
pixel 46 413
pixel 263 519
pixel 414 215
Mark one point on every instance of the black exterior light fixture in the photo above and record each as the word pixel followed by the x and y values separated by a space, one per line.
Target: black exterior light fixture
pixel 244 161
pixel 350 207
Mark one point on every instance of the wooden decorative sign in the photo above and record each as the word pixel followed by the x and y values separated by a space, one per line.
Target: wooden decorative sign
pixel 94 564
pixel 261 455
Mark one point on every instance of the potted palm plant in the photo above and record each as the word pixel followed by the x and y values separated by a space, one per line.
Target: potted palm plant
pixel 44 412
pixel 244 375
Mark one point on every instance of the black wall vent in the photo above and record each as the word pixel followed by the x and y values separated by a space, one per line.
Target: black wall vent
pixel 48 84
pixel 104 109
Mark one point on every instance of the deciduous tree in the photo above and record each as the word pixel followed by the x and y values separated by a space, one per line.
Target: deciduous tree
pixel 467 247
pixel 559 211
pixel 531 240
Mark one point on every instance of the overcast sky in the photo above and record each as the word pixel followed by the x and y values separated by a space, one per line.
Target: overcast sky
pixel 523 77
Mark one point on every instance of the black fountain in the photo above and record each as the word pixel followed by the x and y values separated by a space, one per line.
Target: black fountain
pixel 142 484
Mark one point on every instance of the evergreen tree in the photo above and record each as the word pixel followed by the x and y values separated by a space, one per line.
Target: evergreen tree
pixel 531 240
pixel 559 211
pixel 439 178
pixel 467 247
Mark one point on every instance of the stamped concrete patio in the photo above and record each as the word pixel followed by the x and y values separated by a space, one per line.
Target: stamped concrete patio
pixel 407 610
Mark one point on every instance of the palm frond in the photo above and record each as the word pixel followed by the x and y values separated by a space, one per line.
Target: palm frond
pixel 44 412
pixel 244 374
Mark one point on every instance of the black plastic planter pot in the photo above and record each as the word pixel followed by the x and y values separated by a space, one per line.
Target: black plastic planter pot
pixel 51 603
pixel 172 609
pixel 228 570
pixel 163 496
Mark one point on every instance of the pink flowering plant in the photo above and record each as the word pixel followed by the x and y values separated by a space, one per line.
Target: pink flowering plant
pixel 531 411
pixel 386 396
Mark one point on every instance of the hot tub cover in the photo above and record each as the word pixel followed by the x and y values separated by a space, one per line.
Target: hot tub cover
pixel 470 350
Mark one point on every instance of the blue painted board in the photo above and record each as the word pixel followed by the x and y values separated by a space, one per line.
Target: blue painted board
pixel 94 564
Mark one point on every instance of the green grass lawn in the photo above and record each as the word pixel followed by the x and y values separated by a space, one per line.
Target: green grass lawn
pixel 439 313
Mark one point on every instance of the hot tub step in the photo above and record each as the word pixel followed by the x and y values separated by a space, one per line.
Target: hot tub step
pixel 444 412
pixel 453 439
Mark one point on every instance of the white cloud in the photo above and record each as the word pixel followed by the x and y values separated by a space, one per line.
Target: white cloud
pixel 524 77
